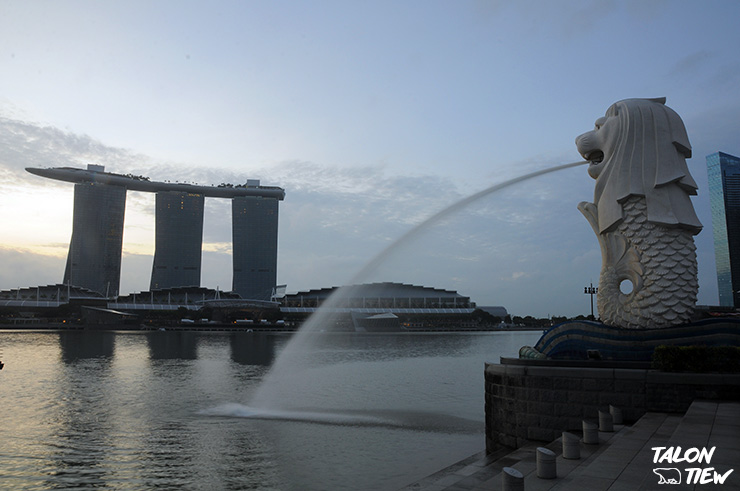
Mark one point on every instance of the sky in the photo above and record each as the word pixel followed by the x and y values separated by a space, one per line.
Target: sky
pixel 371 115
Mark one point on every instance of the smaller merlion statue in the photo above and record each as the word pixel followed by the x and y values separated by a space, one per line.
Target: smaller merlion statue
pixel 642 214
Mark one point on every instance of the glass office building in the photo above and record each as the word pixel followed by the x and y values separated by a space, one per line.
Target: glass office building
pixel 178 240
pixel 723 171
pixel 94 259
pixel 254 222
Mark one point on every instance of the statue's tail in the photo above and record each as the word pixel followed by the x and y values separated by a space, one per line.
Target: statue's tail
pixel 660 262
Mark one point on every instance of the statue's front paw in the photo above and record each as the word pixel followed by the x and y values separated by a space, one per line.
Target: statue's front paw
pixel 591 212
pixel 587 208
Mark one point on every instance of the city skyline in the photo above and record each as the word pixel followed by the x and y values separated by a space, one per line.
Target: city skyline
pixel 374 117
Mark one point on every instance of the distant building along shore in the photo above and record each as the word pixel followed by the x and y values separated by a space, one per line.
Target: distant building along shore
pixel 94 259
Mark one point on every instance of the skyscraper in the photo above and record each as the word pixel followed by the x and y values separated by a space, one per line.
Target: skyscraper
pixel 94 259
pixel 178 239
pixel 724 195
pixel 254 222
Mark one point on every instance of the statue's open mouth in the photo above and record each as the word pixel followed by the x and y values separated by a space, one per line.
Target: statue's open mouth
pixel 595 156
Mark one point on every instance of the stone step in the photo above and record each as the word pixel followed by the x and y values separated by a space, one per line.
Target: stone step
pixel 706 424
pixel 576 474
pixel 611 469
pixel 477 464
pixel 622 461
pixel 640 467
pixel 627 464
pixel 484 471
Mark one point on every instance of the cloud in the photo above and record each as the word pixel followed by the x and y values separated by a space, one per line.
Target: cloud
pixel 366 189
pixel 691 64
pixel 27 144
pixel 25 267
pixel 588 17
pixel 727 77
pixel 218 247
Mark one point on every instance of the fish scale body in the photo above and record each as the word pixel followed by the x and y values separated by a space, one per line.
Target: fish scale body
pixel 666 266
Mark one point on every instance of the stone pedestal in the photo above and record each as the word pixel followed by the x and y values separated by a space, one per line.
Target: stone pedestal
pixel 537 400
pixel 571 448
pixel 546 464
pixel 616 415
pixel 606 423
pixel 512 480
pixel 590 433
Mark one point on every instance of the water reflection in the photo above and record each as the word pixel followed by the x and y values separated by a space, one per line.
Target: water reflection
pixel 81 345
pixel 78 412
pixel 166 454
pixel 172 345
pixel 339 348
pixel 252 348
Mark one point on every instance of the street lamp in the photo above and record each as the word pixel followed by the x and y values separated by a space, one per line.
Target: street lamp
pixel 591 290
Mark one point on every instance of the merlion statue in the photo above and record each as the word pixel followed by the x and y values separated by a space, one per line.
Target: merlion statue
pixel 642 214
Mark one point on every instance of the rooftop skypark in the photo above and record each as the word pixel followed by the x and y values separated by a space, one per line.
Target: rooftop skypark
pixel 96 174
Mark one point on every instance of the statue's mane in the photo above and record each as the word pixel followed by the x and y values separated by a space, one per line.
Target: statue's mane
pixel 648 159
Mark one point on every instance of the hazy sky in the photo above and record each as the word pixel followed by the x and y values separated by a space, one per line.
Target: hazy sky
pixel 371 115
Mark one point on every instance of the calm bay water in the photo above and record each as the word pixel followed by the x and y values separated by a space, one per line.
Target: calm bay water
pixel 171 410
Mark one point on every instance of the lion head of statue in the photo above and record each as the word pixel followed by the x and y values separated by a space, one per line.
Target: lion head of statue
pixel 639 148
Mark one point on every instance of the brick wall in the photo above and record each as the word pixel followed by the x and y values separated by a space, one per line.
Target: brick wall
pixel 525 403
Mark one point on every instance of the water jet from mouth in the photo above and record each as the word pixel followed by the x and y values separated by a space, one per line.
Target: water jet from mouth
pixel 267 395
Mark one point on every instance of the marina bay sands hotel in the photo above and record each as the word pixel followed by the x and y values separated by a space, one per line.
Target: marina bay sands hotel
pixel 94 259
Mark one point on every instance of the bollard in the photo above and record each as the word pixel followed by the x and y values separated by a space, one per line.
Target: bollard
pixel 546 464
pixel 590 433
pixel 512 480
pixel 605 422
pixel 571 450
pixel 616 414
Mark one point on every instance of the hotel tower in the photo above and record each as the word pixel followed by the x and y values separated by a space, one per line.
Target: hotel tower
pixel 94 259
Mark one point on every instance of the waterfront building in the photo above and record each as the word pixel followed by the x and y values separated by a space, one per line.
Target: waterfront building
pixel 254 222
pixel 43 297
pixel 723 171
pixel 94 258
pixel 189 297
pixel 178 240
pixel 383 297
pixel 385 306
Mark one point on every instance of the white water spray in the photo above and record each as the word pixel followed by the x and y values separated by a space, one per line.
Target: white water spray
pixel 267 395
pixel 419 420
